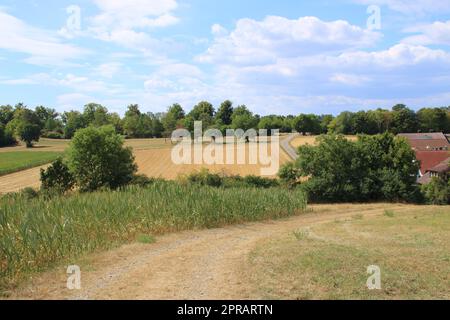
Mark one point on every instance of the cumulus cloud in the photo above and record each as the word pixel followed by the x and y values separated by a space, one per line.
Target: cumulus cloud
pixel 437 33
pixel 263 42
pixel 42 47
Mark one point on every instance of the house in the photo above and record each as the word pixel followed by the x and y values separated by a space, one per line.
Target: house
pixel 432 163
pixel 427 141
pixel 432 151
pixel 440 170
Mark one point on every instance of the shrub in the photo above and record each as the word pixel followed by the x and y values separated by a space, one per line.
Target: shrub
pixel 29 193
pixel 97 158
pixel 141 180
pixel 53 135
pixel 289 175
pixel 205 178
pixel 6 137
pixel 28 133
pixel 437 191
pixel 57 178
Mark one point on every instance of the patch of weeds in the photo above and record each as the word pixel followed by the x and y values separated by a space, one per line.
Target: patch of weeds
pixel 145 239
pixel 389 213
pixel 358 217
pixel 301 234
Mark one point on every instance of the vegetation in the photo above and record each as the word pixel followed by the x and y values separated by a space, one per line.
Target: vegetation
pixel 23 122
pixel 37 233
pixel 11 162
pixel 438 191
pixel 373 168
pixel 330 261
pixel 57 178
pixel 97 159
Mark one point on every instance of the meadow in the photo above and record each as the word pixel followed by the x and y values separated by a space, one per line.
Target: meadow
pixel 329 261
pixel 36 234
pixel 15 161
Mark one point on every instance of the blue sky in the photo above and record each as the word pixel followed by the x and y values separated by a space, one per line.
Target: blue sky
pixel 277 57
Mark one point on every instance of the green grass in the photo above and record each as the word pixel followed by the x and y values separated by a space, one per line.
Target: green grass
pixel 36 234
pixel 11 162
pixel 412 251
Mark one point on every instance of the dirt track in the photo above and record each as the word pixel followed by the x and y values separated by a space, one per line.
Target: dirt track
pixel 207 264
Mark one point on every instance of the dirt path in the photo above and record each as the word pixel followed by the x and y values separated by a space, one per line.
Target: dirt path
pixel 206 264
pixel 287 147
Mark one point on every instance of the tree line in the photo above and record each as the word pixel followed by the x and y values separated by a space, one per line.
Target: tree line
pixel 28 125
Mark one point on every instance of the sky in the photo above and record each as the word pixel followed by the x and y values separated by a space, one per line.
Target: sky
pixel 276 57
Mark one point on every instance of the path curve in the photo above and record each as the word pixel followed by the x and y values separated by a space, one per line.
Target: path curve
pixel 287 147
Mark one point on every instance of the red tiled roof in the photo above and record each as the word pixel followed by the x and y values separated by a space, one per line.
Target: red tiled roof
pixel 430 159
pixel 442 167
pixel 427 141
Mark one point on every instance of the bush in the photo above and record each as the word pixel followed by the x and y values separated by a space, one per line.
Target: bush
pixel 289 175
pixel 205 178
pixel 98 159
pixel 29 193
pixel 28 133
pixel 141 180
pixel 57 178
pixel 53 135
pixel 6 137
pixel 437 191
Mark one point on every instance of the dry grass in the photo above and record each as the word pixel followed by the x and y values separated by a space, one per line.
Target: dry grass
pixel 330 261
pixel 302 140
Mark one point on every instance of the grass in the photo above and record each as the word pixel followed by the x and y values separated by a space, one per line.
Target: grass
pixel 36 234
pixel 411 249
pixel 11 162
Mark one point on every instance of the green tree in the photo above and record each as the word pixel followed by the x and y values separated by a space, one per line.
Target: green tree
pixel 307 123
pixel 172 119
pixel 437 192
pixel 28 132
pixel 404 120
pixel 244 119
pixel 342 124
pixel 6 137
pixel 57 178
pixel 433 120
pixel 203 111
pixel 6 114
pixel 97 158
pixel 73 121
pixel 96 115
pixel 224 114
pixel 380 167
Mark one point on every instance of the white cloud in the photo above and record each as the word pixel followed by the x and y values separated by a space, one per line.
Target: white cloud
pixel 437 33
pixel 41 46
pixel 119 20
pixel 108 70
pixel 218 31
pixel 263 42
pixel 349 79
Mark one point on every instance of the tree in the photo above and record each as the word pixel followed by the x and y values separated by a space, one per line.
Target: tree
pixel 204 112
pixel 433 120
pixel 271 123
pixel 374 168
pixel 325 121
pixel 57 178
pixel 224 114
pixel 96 115
pixel 6 114
pixel 73 121
pixel 171 120
pixel 307 123
pixel 342 124
pixel 244 119
pixel 28 132
pixel 6 137
pixel 437 192
pixel 25 124
pixel 97 158
pixel 404 120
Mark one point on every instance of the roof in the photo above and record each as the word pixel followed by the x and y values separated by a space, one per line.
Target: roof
pixel 424 136
pixel 442 167
pixel 431 159
pixel 427 141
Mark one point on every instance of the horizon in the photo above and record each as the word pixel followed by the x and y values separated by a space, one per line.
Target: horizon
pixel 284 58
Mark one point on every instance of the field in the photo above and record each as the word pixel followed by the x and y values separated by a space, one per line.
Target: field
pixel 37 233
pixel 14 161
pixel 302 140
pixel 329 261
pixel 153 157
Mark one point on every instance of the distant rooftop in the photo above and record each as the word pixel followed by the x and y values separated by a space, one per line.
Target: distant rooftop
pixel 427 141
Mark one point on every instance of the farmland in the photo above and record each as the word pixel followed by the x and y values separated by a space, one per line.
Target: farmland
pixel 153 157
pixel 14 161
